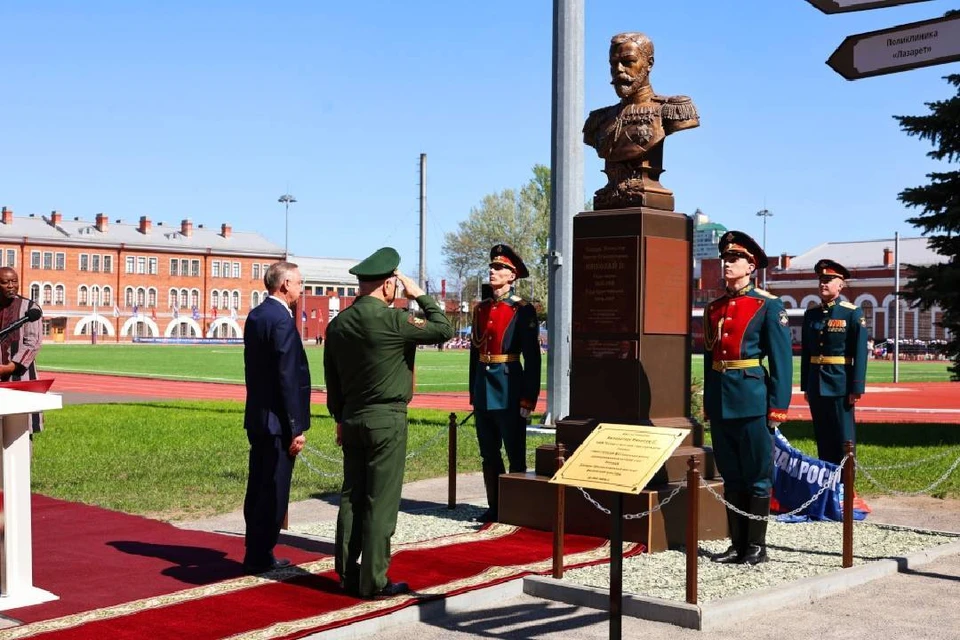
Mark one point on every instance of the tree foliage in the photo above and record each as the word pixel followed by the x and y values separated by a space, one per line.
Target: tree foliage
pixel 939 218
pixel 519 218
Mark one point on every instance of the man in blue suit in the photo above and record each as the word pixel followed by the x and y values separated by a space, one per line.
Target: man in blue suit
pixel 277 412
pixel 833 364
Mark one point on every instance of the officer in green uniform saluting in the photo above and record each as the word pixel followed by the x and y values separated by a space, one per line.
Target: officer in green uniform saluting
pixel 741 397
pixel 368 365
pixel 833 364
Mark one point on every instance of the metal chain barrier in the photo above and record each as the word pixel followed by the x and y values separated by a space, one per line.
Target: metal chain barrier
pixel 634 516
pixel 306 462
pixel 773 518
pixel 429 443
pixel 936 483
pixel 907 465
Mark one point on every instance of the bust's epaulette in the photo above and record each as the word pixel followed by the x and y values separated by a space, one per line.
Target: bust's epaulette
pixel 764 293
pixel 517 300
pixel 847 305
pixel 678 108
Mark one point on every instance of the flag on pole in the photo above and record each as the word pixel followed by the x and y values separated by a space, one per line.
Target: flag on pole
pixel 233 313
pixel 176 311
pixel 196 313
pixel 213 313
pixel 153 312
pixel 116 311
pixel 136 310
pixel 303 315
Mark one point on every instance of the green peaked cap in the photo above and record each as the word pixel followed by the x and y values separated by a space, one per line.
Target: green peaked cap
pixel 381 264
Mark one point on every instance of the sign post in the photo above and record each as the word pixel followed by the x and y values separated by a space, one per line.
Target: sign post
pixel 901 48
pixel 621 458
pixel 843 6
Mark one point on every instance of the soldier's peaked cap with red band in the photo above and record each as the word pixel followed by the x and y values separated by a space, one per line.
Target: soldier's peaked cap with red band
pixel 830 268
pixel 505 255
pixel 738 242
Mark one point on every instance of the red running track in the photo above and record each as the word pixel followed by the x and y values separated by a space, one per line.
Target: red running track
pixel 905 402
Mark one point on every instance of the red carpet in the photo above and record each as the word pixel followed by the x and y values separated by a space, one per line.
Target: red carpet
pixel 162 587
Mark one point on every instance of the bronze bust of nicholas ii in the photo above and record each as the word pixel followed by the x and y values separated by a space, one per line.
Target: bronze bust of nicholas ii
pixel 629 135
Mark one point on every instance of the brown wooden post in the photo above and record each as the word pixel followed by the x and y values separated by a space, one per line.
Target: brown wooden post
pixel 558 522
pixel 848 480
pixel 286 520
pixel 452 462
pixel 693 526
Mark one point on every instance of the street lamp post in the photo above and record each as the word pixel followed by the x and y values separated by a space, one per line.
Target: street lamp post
pixel 764 213
pixel 287 200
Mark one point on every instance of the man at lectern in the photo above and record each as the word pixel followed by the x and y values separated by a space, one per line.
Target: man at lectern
pixel 19 348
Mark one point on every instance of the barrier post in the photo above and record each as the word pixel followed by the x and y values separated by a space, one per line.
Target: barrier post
pixel 848 480
pixel 693 526
pixel 452 462
pixel 560 516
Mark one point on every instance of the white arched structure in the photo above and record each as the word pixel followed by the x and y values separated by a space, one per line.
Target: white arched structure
pixel 187 320
pixel 789 302
pixel 228 321
pixel 106 327
pixel 152 328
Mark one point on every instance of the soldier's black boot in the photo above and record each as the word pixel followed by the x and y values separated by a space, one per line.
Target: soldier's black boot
pixel 756 550
pixel 735 527
pixel 491 482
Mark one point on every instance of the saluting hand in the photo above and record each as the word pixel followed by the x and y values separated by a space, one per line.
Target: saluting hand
pixel 411 290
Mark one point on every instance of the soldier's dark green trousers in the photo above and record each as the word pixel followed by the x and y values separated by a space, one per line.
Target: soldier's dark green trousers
pixel 832 424
pixel 374 454
pixel 744 455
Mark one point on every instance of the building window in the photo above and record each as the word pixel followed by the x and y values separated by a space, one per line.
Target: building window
pixel 195 297
pixel 184 298
pixel 254 298
pixel 82 297
pixel 153 266
pixel 128 297
pixel 84 262
pixel 95 262
pixel 107 296
pixel 173 298
pixel 341 291
pixel 236 300
pixel 184 267
pixel 48 259
pixel 59 295
pixel 174 264
pixel 215 269
pixel 141 265
pixel 107 264
pixel 215 299
pixel 256 271
pixel 195 268
pixel 61 262
pixel 352 291
pixel 34 292
pixel 152 297
pixel 141 296
pixel 129 264
pixel 236 269
pixel 11 260
pixel 34 259
pixel 95 295
pixel 47 294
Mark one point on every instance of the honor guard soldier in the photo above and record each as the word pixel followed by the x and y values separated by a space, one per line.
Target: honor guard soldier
pixel 833 365
pixel 368 365
pixel 743 399
pixel 502 391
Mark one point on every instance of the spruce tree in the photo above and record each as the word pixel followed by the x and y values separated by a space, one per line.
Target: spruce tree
pixel 939 218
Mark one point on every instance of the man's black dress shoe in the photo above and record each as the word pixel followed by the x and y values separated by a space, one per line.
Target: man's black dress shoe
pixel 391 589
pixel 276 563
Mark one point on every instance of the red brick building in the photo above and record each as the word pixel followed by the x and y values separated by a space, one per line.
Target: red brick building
pixel 147 279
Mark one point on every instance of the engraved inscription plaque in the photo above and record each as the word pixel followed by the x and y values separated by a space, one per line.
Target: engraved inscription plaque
pixel 605 285
pixel 666 279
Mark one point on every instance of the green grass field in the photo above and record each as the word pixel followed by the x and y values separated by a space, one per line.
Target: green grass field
pixel 436 370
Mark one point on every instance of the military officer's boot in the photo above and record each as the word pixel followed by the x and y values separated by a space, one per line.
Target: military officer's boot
pixel 735 526
pixel 491 482
pixel 756 550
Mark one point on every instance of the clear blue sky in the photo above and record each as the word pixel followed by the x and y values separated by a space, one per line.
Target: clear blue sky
pixel 209 110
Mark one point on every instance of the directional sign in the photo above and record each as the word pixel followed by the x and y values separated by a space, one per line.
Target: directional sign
pixel 909 46
pixel 842 6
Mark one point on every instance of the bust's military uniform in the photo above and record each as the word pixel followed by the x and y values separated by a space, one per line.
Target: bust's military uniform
pixel 503 330
pixel 741 396
pixel 833 366
pixel 368 365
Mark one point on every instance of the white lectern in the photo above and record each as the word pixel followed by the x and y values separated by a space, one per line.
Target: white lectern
pixel 16 548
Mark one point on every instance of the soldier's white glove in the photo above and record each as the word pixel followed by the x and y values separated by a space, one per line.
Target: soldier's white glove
pixel 524 413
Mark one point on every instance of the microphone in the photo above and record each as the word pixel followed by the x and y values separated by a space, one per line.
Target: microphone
pixel 33 314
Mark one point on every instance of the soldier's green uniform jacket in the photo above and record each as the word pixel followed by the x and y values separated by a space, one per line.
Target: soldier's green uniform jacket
pixel 370 350
pixel 836 331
